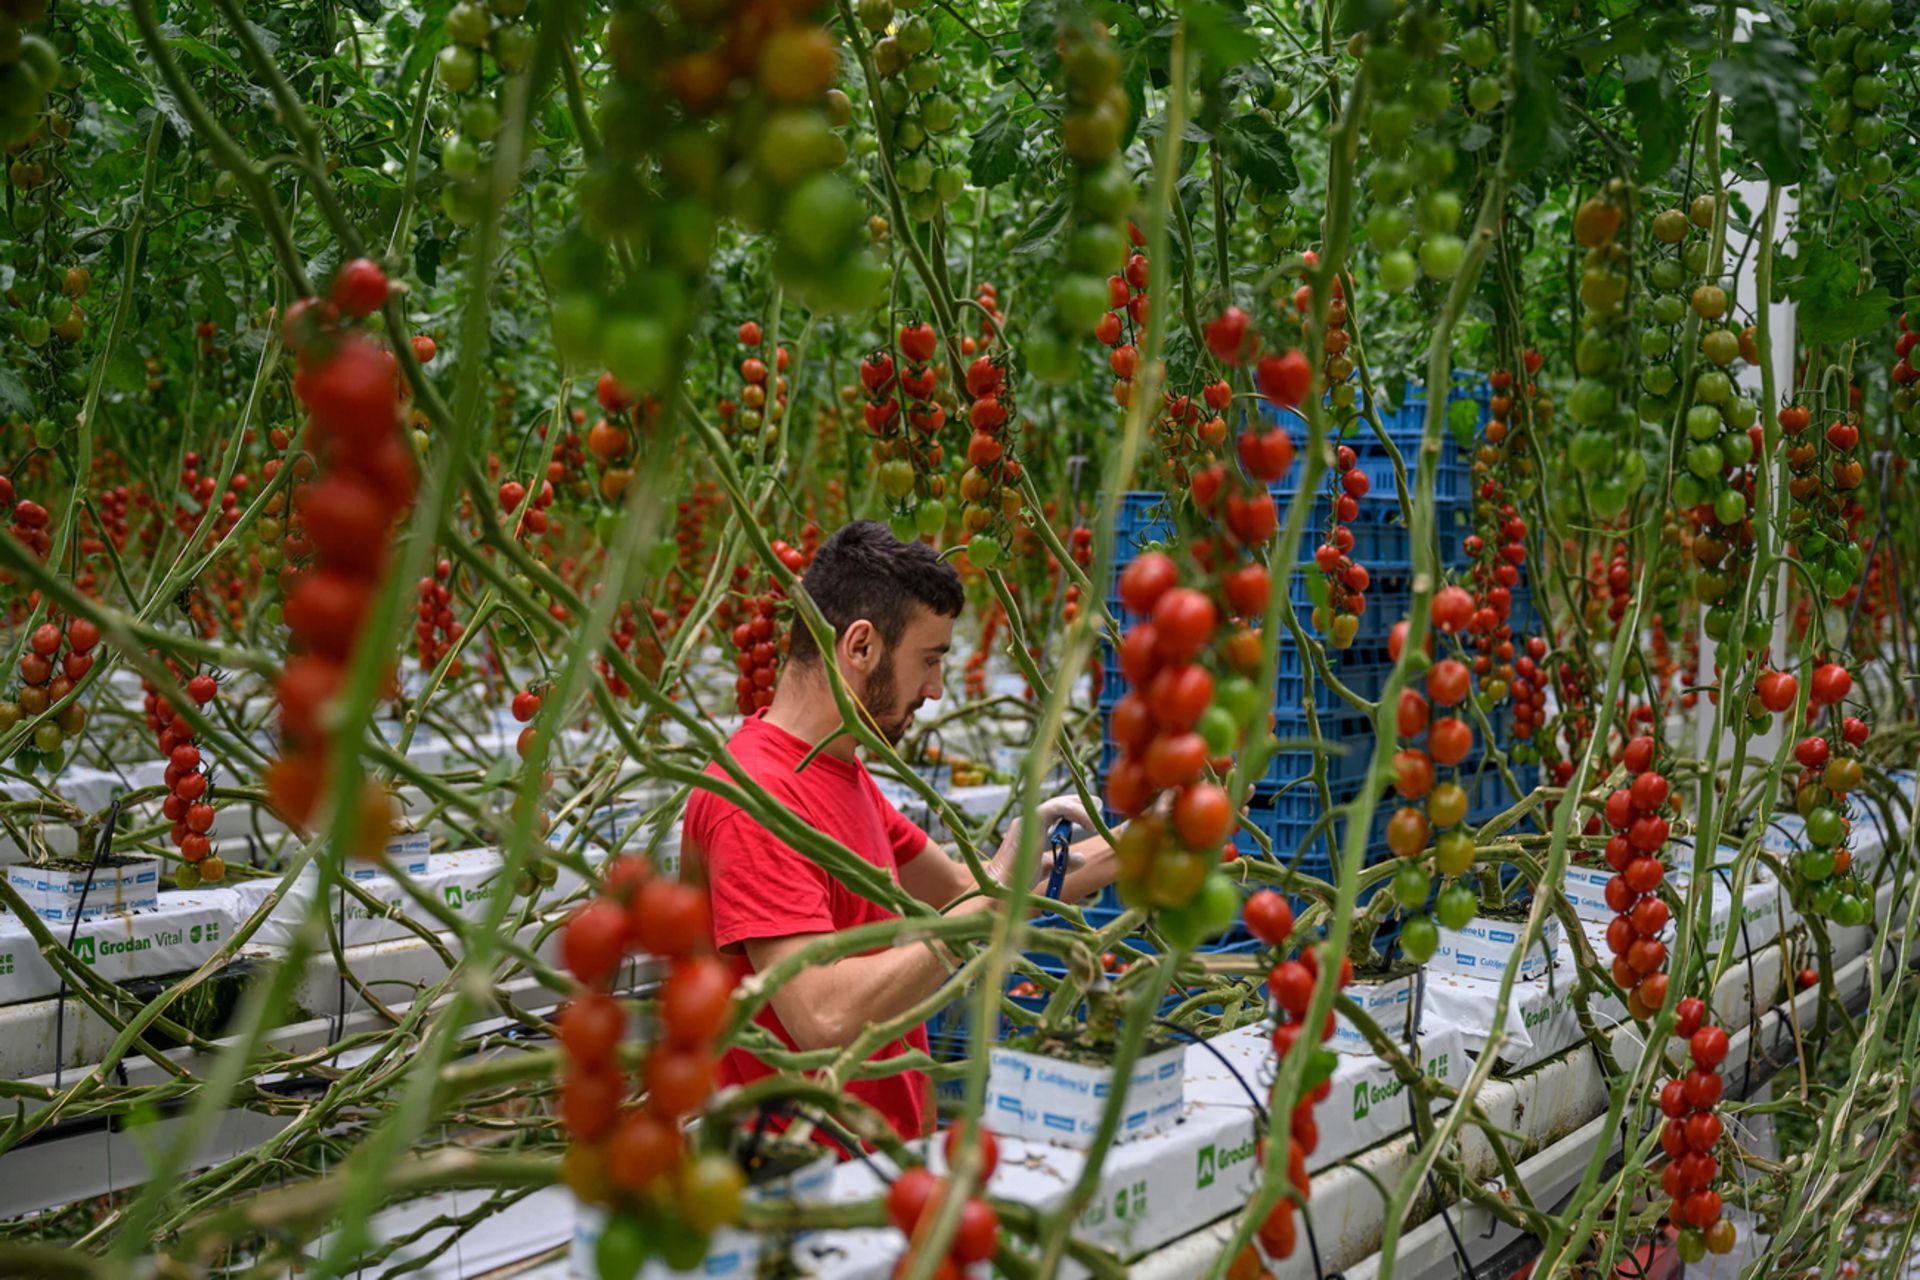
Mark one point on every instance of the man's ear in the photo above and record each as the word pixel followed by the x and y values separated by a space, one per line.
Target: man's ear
pixel 860 647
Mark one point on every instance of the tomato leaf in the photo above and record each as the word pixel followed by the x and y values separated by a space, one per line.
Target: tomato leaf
pixel 1258 151
pixel 125 372
pixel 1659 114
pixel 15 402
pixel 1356 16
pixel 1463 420
pixel 1765 83
pixel 1826 283
pixel 1539 128
pixel 1045 224
pixel 1222 37
pixel 426 260
pixel 1039 31
pixel 995 154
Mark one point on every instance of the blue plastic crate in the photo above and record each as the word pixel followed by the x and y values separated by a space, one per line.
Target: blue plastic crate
pixel 1453 481
pixel 1145 517
pixel 1467 385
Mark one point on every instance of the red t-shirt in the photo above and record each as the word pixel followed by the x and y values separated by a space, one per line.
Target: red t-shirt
pixel 763 888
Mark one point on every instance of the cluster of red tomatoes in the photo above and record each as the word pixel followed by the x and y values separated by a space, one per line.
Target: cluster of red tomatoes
pixel 756 647
pixel 434 628
pixel 1830 769
pixel 974 678
pixel 1170 732
pixel 633 1156
pixel 693 514
pixel 988 487
pixel 567 468
pixel 916 1196
pixel 1417 777
pixel 988 296
pixel 189 802
pixel 1269 918
pixel 610 439
pixel 525 706
pixel 1692 1131
pixel 906 444
pixel 534 520
pixel 763 393
pixel 112 503
pixel 627 637
pixel 28 520
pixel 366 481
pixel 1126 314
pixel 46 677
pixel 1346 579
pixel 1529 686
pixel 200 489
pixel 1633 851
pixel 1191 432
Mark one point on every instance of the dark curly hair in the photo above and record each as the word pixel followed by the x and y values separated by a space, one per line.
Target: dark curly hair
pixel 863 571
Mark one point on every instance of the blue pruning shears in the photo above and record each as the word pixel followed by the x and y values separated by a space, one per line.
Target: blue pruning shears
pixel 1057 842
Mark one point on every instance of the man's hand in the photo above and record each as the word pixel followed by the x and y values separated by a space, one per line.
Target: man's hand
pixel 1000 867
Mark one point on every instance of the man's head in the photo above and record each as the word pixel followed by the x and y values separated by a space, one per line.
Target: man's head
pixel 891 605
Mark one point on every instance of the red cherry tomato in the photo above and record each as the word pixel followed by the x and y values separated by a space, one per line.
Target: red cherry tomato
pixel 908 1197
pixel 590 1028
pixel 694 1000
pixel 1448 682
pixel 1709 1046
pixel 989 1150
pixel 1269 917
pixel 1831 684
pixel 594 941
pixel 1183 621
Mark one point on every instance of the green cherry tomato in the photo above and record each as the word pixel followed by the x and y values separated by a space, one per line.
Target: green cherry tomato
pixel 1824 828
pixel 1457 906
pixel 1815 864
pixel 1242 699
pixel 1692 1246
pixel 1219 730
pixel 1453 853
pixel 1419 939
pixel 1411 884
pixel 1218 905
pixel 622 1249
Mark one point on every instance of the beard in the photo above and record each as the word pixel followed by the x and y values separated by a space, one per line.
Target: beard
pixel 880 697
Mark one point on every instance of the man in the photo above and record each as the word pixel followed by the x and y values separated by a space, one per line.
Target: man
pixel 892 606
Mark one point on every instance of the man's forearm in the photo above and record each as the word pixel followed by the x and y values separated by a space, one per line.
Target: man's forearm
pixel 1096 870
pixel 830 1006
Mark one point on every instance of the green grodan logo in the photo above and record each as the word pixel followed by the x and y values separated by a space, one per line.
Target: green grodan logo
pixel 1212 1162
pixel 83 949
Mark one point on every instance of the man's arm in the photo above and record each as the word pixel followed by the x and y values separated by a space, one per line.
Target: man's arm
pixel 827 1006
pixel 937 879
